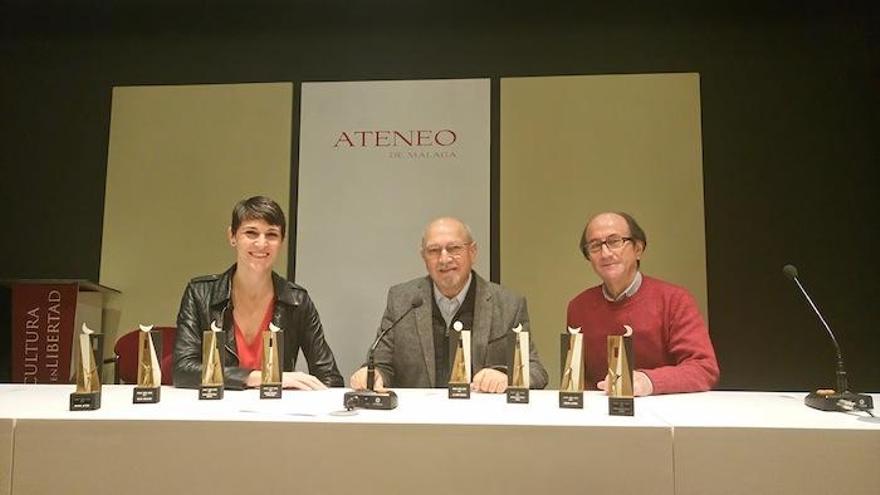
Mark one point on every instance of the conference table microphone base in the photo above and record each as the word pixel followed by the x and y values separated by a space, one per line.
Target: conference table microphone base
pixel 370 399
pixel 830 400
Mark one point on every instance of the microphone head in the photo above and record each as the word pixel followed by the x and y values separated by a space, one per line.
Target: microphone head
pixel 416 301
pixel 790 271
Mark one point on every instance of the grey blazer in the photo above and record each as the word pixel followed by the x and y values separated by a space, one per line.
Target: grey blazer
pixel 405 356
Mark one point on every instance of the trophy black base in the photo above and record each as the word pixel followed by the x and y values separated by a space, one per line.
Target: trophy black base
pixel 459 390
pixel 517 395
pixel 210 392
pixel 145 395
pixel 370 399
pixel 621 406
pixel 847 401
pixel 270 391
pixel 85 401
pixel 571 400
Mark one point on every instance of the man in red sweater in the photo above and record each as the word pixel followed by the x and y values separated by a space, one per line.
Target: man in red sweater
pixel 671 343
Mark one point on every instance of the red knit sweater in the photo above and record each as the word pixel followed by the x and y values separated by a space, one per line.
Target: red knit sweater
pixel 670 339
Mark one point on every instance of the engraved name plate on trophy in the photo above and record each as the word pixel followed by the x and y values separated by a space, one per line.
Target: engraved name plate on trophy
pixel 211 387
pixel 460 376
pixel 149 377
pixel 270 384
pixel 518 380
pixel 87 396
pixel 571 385
pixel 620 374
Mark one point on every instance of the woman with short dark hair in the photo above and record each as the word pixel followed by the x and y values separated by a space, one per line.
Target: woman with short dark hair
pixel 244 300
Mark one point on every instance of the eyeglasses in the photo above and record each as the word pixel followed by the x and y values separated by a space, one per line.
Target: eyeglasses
pixel 614 242
pixel 453 250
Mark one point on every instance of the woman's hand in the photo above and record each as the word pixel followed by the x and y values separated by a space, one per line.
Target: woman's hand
pixel 301 381
pixel 289 379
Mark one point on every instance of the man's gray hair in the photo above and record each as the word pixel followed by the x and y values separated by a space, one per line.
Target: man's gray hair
pixel 467 230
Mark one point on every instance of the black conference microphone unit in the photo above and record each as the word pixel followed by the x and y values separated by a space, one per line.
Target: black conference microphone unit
pixel 840 399
pixel 370 398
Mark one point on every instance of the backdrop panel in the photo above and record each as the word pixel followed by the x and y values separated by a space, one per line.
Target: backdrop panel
pixel 378 160
pixel 575 146
pixel 179 159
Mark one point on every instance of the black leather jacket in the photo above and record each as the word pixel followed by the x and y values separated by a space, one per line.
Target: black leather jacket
pixel 208 299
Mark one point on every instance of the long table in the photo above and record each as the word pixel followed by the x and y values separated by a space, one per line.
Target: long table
pixel 716 442
pixel 241 444
pixel 740 442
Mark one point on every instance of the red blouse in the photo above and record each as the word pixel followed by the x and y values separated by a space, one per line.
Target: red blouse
pixel 250 354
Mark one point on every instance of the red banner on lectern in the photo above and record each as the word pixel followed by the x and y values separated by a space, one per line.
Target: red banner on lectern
pixel 42 332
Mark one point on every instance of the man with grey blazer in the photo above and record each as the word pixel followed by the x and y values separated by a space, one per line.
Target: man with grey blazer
pixel 415 352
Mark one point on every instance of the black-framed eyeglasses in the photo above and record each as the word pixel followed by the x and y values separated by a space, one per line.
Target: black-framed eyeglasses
pixel 614 242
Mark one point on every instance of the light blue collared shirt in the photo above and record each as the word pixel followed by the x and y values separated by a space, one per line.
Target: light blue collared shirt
pixel 629 292
pixel 449 306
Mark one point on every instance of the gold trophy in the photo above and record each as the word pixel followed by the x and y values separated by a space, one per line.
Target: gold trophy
pixel 87 396
pixel 571 386
pixel 149 378
pixel 211 387
pixel 270 384
pixel 518 384
pixel 620 374
pixel 460 376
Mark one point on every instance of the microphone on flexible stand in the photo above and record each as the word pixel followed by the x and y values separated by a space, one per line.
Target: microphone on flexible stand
pixel 370 398
pixel 840 399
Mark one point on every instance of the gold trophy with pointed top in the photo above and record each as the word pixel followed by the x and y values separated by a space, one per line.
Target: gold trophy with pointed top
pixel 620 374
pixel 149 377
pixel 460 375
pixel 270 384
pixel 518 382
pixel 571 385
pixel 211 387
pixel 87 396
